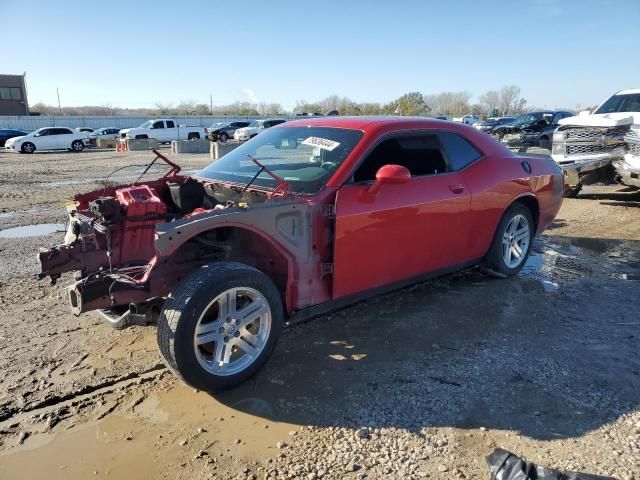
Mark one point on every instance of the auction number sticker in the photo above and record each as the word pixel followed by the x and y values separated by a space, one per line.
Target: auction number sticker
pixel 323 143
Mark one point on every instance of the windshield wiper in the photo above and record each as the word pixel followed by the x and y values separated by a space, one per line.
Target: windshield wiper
pixel 282 186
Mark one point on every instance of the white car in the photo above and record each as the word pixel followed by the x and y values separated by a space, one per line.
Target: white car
pixel 163 130
pixel 254 128
pixel 104 132
pixel 49 138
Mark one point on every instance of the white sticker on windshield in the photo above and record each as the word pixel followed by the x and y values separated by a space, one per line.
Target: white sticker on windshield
pixel 323 143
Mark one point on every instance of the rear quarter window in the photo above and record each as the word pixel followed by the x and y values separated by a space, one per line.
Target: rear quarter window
pixel 460 152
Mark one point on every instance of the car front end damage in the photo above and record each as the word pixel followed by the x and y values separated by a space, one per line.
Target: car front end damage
pixel 628 167
pixel 130 245
pixel 585 151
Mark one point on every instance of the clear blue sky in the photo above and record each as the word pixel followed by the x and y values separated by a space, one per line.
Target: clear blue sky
pixel 137 53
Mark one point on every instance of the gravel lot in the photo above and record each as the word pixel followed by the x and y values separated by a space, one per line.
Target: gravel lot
pixel 420 383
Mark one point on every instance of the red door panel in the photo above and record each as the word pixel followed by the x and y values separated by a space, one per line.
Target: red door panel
pixel 404 231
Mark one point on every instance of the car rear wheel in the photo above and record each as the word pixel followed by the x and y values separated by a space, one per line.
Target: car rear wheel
pixel 77 146
pixel 544 142
pixel 512 242
pixel 28 147
pixel 220 325
pixel 223 137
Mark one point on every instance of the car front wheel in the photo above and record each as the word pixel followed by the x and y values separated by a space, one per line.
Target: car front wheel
pixel 220 325
pixel 512 242
pixel 77 146
pixel 223 137
pixel 28 147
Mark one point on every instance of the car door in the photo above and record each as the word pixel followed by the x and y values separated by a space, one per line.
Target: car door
pixel 172 132
pixel 158 131
pixel 63 137
pixel 403 231
pixel 45 139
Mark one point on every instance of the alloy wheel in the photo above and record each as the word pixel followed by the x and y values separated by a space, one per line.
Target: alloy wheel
pixel 515 242
pixel 232 331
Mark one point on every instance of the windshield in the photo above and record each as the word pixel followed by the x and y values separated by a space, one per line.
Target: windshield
pixel 621 103
pixel 218 125
pixel 303 156
pixel 146 124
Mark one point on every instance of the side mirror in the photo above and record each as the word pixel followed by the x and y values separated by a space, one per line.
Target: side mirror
pixel 389 175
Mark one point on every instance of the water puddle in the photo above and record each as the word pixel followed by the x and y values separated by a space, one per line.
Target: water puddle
pixel 39 230
pixel 557 260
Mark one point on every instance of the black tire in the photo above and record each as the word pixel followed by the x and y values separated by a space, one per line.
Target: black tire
pixel 193 136
pixel 572 192
pixel 77 146
pixel 188 301
pixel 142 137
pixel 494 262
pixel 250 137
pixel 223 137
pixel 28 147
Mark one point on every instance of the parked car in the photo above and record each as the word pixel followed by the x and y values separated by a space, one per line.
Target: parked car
pixel 467 119
pixel 224 131
pixel 489 124
pixel 309 216
pixel 511 133
pixel 104 132
pixel 164 130
pixel 7 133
pixel 254 128
pixel 48 138
pixel 586 145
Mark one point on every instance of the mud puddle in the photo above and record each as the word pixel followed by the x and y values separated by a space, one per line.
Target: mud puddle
pixel 38 230
pixel 163 430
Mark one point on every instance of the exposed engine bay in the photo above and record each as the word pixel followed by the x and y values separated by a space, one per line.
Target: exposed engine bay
pixel 111 233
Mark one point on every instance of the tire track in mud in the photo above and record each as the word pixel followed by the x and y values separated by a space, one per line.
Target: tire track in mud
pixel 17 415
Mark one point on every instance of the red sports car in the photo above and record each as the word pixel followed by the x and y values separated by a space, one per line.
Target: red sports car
pixel 308 216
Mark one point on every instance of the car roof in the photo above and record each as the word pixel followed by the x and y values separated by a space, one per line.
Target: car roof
pixel 366 123
pixel 628 91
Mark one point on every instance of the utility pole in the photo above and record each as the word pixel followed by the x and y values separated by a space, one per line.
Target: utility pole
pixel 211 104
pixel 59 108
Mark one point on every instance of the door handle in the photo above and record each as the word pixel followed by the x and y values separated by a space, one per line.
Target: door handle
pixel 458 188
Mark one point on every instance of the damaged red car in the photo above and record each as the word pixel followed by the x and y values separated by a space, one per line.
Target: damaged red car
pixel 307 217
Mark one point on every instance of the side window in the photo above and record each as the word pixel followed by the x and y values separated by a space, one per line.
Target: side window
pixel 420 154
pixel 158 124
pixel 44 133
pixel 5 93
pixel 459 151
pixel 60 131
pixel 170 124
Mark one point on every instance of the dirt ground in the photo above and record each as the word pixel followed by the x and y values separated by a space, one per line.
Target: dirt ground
pixel 420 383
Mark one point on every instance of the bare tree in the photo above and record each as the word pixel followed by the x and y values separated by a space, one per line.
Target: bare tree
pixel 163 108
pixel 490 101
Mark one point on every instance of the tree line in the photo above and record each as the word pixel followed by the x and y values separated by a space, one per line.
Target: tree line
pixel 504 101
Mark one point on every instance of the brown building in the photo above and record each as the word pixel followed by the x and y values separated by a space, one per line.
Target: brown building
pixel 13 95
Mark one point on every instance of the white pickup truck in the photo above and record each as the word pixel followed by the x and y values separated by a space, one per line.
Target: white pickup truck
pixel 585 146
pixel 163 130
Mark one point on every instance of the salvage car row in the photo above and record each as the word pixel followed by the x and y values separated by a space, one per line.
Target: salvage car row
pixel 588 147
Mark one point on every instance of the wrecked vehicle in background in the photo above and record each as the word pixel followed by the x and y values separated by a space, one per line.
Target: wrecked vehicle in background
pixel 307 217
pixel 532 129
pixel 586 146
